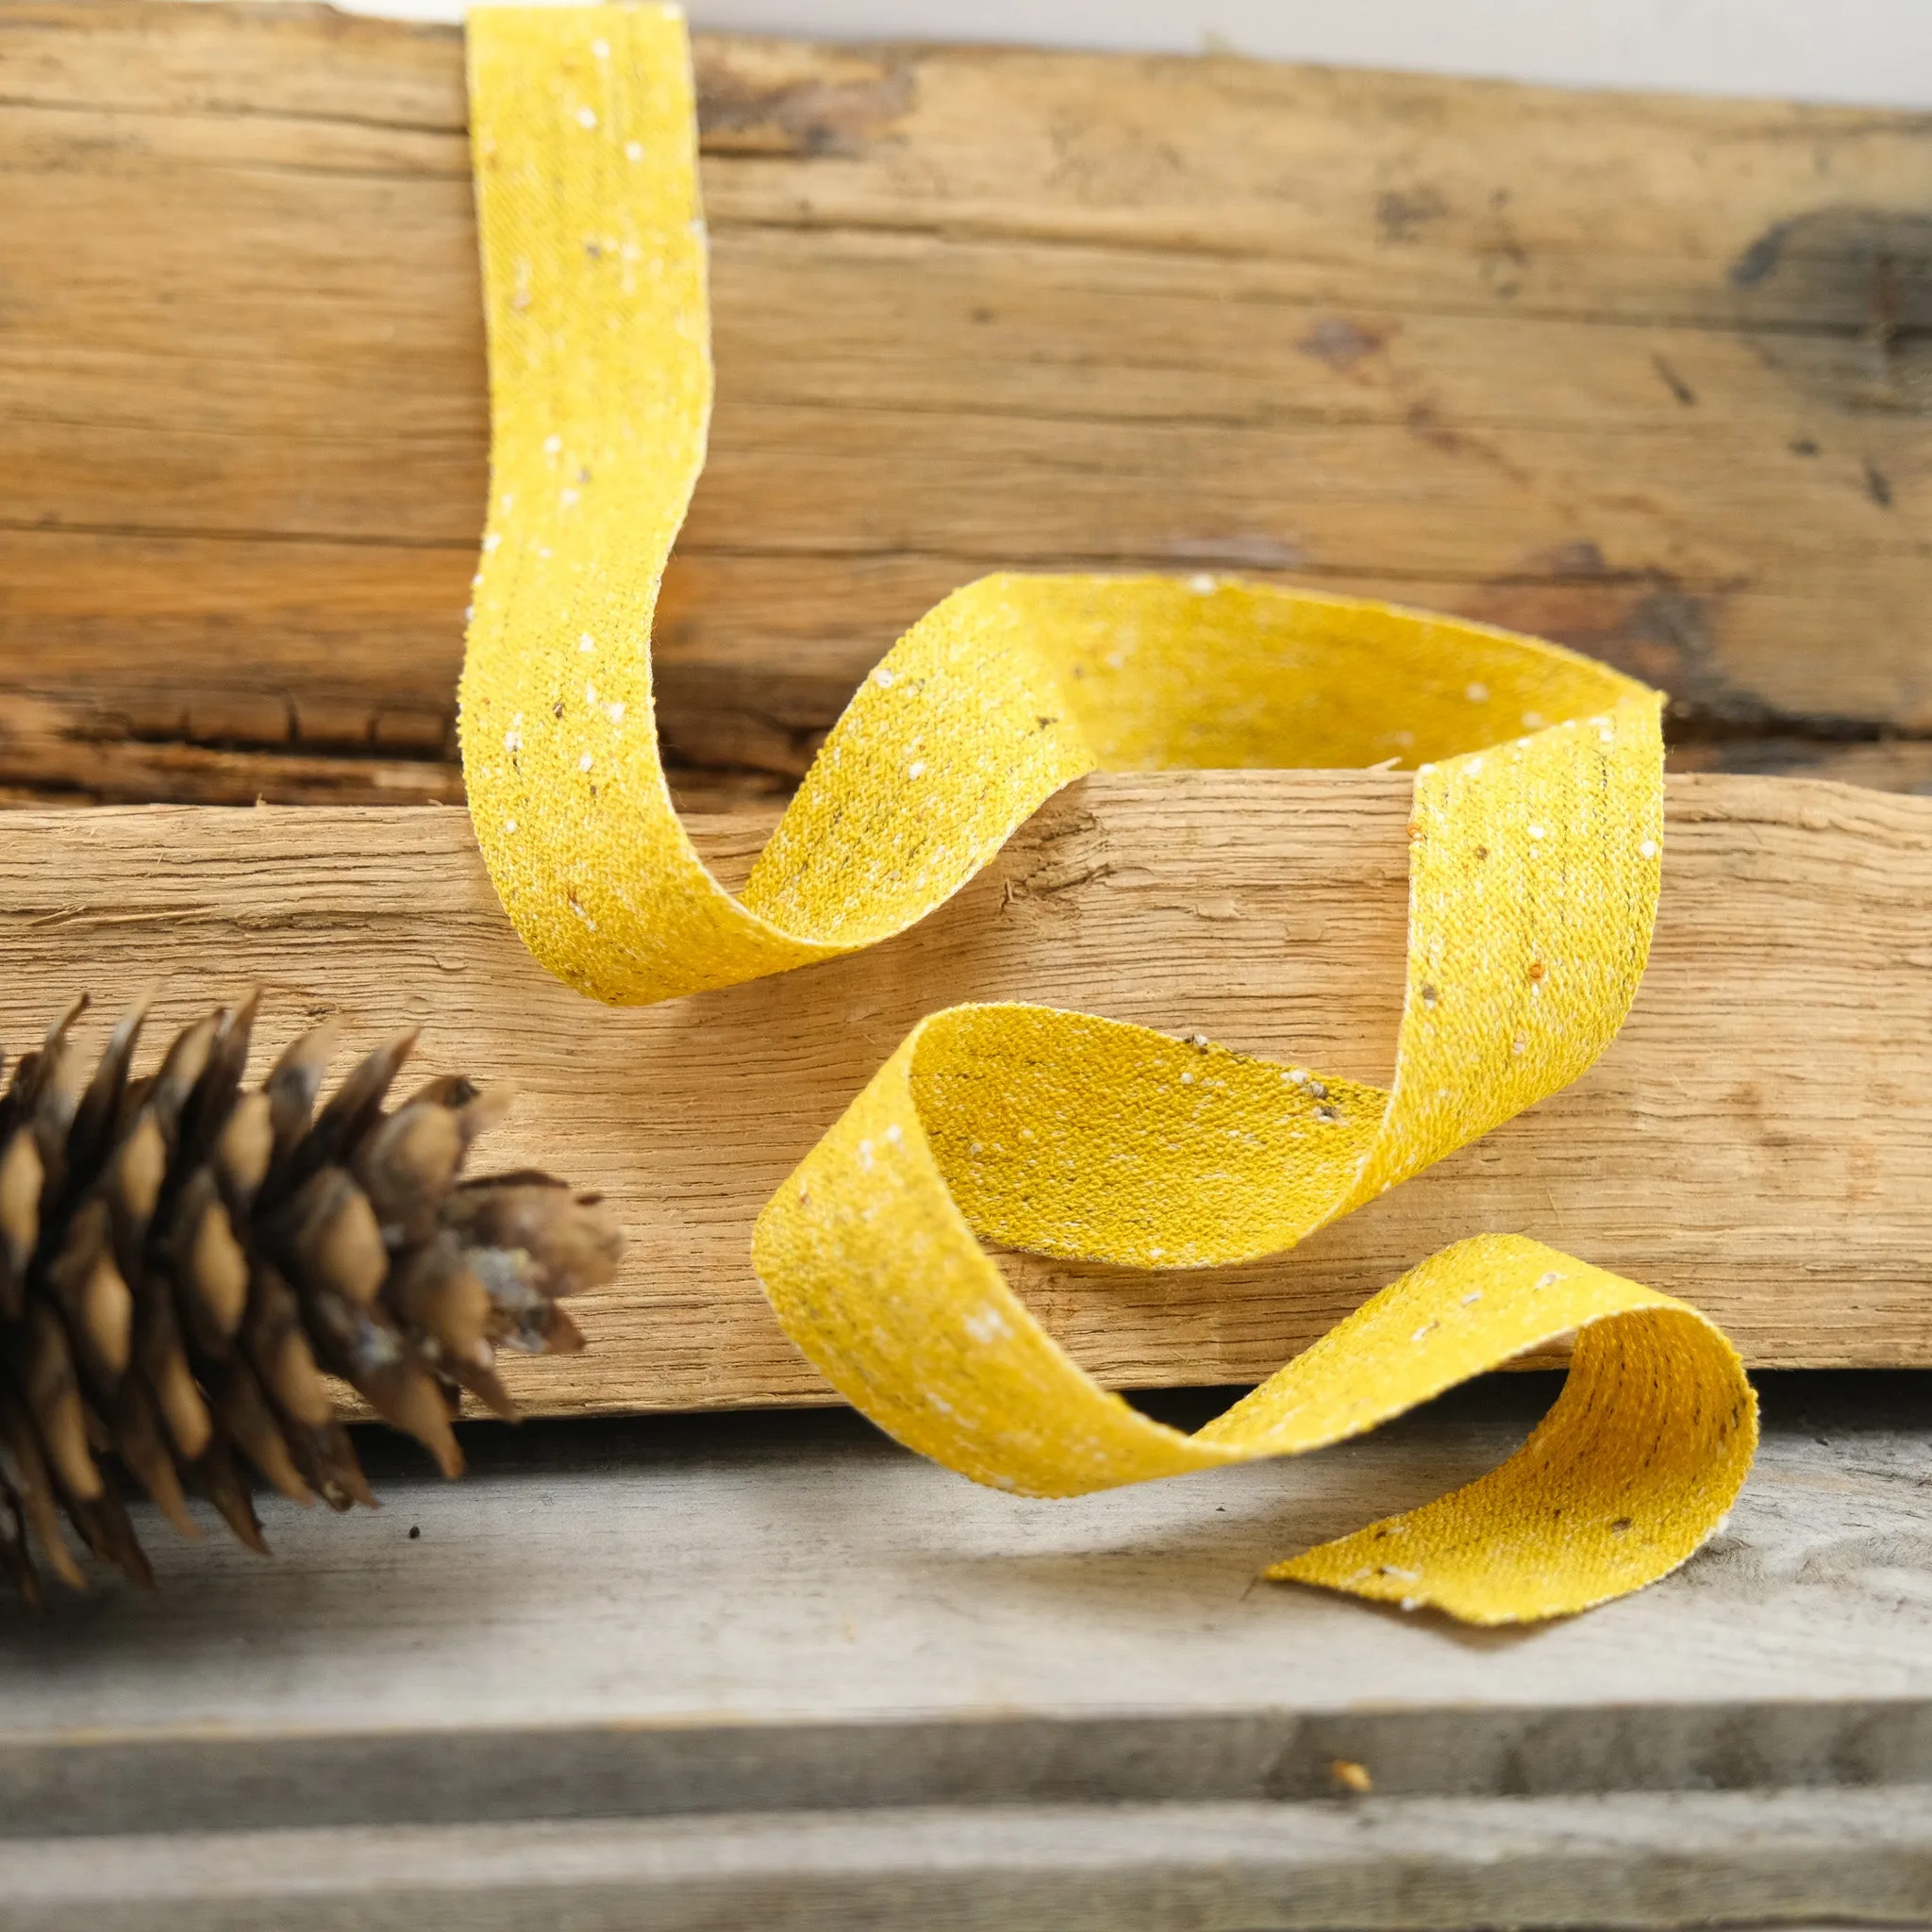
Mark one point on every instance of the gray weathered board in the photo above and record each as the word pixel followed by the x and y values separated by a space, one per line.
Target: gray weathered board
pixel 743 1671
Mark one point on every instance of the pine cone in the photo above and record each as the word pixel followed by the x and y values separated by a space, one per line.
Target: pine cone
pixel 179 1260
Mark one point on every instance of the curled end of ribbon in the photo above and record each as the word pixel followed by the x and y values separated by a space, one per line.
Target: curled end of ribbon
pixel 1633 1470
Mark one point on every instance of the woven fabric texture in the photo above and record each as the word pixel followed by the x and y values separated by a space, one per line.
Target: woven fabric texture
pixel 1535 866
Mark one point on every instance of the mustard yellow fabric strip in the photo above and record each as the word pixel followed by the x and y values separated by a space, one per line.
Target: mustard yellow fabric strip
pixel 1534 877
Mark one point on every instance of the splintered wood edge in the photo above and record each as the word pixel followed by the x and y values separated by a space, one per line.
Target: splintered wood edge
pixel 1759 1140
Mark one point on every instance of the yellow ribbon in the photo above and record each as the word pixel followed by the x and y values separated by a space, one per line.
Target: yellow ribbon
pixel 1534 875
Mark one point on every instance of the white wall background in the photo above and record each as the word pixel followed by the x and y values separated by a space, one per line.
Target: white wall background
pixel 1874 51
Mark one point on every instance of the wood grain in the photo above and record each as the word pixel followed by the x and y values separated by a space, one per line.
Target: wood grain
pixel 1756 1139
pixel 734 1670
pixel 1673 1864
pixel 1650 375
pixel 671 1580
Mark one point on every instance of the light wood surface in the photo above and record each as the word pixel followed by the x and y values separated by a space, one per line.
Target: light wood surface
pixel 1650 375
pixel 1759 1140
pixel 727 1670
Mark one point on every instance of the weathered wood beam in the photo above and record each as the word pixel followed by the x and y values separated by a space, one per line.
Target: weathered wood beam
pixel 1640 373
pixel 1759 1140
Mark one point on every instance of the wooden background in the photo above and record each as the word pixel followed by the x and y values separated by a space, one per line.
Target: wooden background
pixel 1648 375
pixel 1652 377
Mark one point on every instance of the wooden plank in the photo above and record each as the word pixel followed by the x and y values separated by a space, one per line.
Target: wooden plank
pixel 1646 375
pixel 1655 1864
pixel 774 1661
pixel 1756 1139
pixel 665 1583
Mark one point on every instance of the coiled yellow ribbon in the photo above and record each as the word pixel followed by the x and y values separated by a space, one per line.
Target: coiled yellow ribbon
pixel 1534 875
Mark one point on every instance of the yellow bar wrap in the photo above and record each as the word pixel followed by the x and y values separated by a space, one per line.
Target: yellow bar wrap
pixel 1534 873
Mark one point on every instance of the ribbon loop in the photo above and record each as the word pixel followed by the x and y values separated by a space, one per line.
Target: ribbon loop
pixel 1535 864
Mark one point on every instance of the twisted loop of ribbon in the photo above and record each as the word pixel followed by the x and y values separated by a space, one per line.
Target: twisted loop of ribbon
pixel 1534 875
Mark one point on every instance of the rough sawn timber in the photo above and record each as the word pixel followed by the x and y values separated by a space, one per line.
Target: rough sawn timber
pixel 1647 375
pixel 1758 1138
